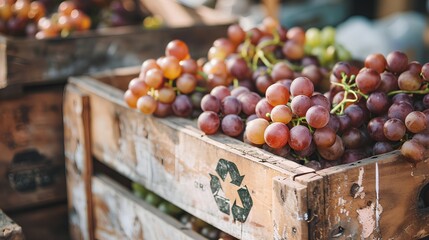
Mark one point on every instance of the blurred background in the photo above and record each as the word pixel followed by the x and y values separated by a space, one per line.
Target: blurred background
pixel 363 27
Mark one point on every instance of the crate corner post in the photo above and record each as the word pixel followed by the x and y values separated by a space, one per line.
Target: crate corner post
pixel 290 211
pixel 78 162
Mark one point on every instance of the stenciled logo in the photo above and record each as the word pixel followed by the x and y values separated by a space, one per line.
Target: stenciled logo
pixel 238 213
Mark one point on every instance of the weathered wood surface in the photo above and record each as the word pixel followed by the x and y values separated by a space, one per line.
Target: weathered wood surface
pixel 54 60
pixel 118 214
pixel 290 212
pixel 216 178
pixel 9 230
pixel 31 149
pixel 376 198
pixel 78 163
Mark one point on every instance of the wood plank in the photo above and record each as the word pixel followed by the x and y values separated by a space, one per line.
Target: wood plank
pixel 173 158
pixel 272 8
pixel 9 230
pixel 36 61
pixel 32 150
pixel 78 162
pixel 119 214
pixel 315 204
pixel 376 198
pixel 3 68
pixel 290 210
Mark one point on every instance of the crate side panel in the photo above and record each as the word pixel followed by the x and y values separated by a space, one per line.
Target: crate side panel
pixel 32 152
pixel 54 60
pixel 219 179
pixel 377 197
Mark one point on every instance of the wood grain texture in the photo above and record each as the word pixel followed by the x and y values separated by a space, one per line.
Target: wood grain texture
pixel 78 163
pixel 9 230
pixel 376 198
pixel 290 212
pixel 32 171
pixel 30 61
pixel 119 214
pixel 315 204
pixel 174 159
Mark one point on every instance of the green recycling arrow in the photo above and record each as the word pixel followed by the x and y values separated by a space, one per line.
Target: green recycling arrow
pixel 222 169
pixel 240 213
pixel 221 202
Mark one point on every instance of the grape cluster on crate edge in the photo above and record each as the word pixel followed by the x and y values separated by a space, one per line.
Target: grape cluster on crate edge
pixel 293 92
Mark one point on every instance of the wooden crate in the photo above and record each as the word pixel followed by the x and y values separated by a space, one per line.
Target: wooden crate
pixel 240 189
pixel 29 61
pixel 32 166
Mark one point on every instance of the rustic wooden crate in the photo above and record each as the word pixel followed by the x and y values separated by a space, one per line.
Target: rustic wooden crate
pixel 268 197
pixel 28 60
pixel 32 166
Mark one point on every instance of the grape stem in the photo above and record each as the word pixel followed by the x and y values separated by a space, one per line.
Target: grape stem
pixel 200 89
pixel 235 83
pixel 424 91
pixel 348 85
pixel 298 121
pixel 203 74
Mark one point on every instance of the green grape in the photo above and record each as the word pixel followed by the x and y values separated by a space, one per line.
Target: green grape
pixel 327 35
pixel 342 53
pixel 139 190
pixel 313 37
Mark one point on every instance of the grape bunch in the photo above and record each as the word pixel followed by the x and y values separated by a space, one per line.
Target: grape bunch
pixel 20 17
pixel 268 87
pixel 369 110
pixel 55 18
pixel 67 19
pixel 167 85
pixel 388 98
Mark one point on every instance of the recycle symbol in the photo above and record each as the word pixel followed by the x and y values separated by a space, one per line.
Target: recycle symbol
pixel 238 213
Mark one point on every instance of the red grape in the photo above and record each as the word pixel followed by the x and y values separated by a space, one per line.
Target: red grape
pixel 208 122
pixel 277 94
pixel 317 116
pixel 300 137
pixel 276 135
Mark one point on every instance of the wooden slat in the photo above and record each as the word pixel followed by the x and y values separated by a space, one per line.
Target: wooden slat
pixel 315 204
pixel 119 214
pixel 9 230
pixel 290 212
pixel 272 8
pixel 376 198
pixel 174 159
pixel 78 162
pixel 3 68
